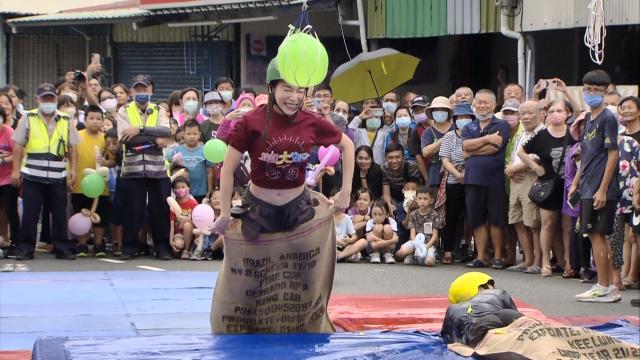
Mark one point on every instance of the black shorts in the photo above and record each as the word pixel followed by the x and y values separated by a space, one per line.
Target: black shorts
pixel 79 202
pixel 486 203
pixel 261 217
pixel 597 221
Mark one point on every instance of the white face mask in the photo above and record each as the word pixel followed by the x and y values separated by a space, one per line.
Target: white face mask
pixel 613 109
pixel 226 95
pixel 214 109
pixel 190 106
pixel 71 111
pixel 47 108
pixel 109 104
pixel 484 117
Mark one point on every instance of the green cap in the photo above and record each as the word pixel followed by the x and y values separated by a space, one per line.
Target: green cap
pixel 272 71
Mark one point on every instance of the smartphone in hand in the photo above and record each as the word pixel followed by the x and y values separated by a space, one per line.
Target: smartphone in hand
pixel 574 199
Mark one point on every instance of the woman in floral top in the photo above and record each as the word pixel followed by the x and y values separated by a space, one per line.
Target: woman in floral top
pixel 629 152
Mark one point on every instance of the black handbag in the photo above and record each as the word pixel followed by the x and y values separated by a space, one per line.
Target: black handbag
pixel 542 189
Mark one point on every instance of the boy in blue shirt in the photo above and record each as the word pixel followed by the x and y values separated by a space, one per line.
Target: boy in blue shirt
pixel 595 183
pixel 193 159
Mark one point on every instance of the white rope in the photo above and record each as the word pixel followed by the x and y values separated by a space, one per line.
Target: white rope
pixel 596 32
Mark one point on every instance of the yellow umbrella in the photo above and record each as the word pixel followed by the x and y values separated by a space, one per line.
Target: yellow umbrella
pixel 370 75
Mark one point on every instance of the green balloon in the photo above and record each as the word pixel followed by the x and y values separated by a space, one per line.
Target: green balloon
pixel 92 185
pixel 302 60
pixel 215 150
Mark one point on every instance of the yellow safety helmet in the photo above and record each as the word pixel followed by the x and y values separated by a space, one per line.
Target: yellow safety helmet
pixel 465 286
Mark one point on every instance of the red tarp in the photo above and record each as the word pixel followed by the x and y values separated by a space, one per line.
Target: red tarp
pixel 358 313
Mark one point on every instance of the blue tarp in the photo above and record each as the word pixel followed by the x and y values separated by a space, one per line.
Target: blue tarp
pixel 363 345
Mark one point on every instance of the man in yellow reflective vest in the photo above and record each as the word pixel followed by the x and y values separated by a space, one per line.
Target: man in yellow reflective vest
pixel 44 163
pixel 142 129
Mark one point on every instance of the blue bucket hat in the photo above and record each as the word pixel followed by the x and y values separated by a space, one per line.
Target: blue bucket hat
pixel 463 108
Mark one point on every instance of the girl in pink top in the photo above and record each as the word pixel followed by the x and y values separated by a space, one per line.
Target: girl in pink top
pixel 243 105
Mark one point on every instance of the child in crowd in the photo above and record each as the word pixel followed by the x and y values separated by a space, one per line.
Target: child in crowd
pixel 213 105
pixel 107 124
pixel 347 243
pixel 243 105
pixel 171 141
pixel 90 138
pixel 409 191
pixel 361 212
pixel 181 228
pixel 194 160
pixel 180 135
pixel 424 225
pixel 236 198
pixel 213 243
pixel 110 160
pixel 382 233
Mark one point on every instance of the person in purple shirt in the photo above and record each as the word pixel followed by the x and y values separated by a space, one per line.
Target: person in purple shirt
pixel 484 144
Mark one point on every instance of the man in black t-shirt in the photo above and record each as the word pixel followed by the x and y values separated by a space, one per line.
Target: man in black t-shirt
pixel 595 181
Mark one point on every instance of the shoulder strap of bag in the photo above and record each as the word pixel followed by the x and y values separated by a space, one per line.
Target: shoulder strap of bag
pixel 564 151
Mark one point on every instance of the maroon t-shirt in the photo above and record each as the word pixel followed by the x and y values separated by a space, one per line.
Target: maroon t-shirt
pixel 280 161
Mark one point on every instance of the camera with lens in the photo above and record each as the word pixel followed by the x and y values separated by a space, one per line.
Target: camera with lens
pixel 78 75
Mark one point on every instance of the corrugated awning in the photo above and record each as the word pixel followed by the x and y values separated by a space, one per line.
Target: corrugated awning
pixel 221 10
pixel 81 17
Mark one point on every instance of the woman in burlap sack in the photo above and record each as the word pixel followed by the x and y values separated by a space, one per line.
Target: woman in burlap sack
pixel 280 253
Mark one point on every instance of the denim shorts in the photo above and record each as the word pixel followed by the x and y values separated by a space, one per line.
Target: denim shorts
pixel 262 217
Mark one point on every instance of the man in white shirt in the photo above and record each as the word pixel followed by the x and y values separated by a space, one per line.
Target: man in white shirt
pixel 523 213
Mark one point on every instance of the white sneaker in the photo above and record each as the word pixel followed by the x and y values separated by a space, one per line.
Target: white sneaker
pixel 598 293
pixel 615 292
pixel 375 258
pixel 410 260
pixel 388 258
pixel 355 258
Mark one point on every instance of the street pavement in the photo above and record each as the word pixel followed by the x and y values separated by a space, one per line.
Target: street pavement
pixel 553 296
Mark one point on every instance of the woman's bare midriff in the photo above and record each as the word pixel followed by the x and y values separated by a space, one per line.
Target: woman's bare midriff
pixel 277 197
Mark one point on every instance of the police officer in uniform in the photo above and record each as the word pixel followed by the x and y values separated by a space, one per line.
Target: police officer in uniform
pixel 47 140
pixel 142 129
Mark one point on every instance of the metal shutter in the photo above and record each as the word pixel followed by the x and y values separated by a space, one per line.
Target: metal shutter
pixel 173 66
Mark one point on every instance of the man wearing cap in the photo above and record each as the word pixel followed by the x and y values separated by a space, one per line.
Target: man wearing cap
pixel 419 112
pixel 214 105
pixel 141 126
pixel 47 140
pixel 440 112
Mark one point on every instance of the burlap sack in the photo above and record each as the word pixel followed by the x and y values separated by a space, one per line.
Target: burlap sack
pixel 279 283
pixel 528 338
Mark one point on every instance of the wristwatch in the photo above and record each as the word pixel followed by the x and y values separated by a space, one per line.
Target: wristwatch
pixel 141 130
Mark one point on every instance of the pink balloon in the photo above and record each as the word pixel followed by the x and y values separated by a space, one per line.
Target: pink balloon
pixel 202 216
pixel 79 224
pixel 324 151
